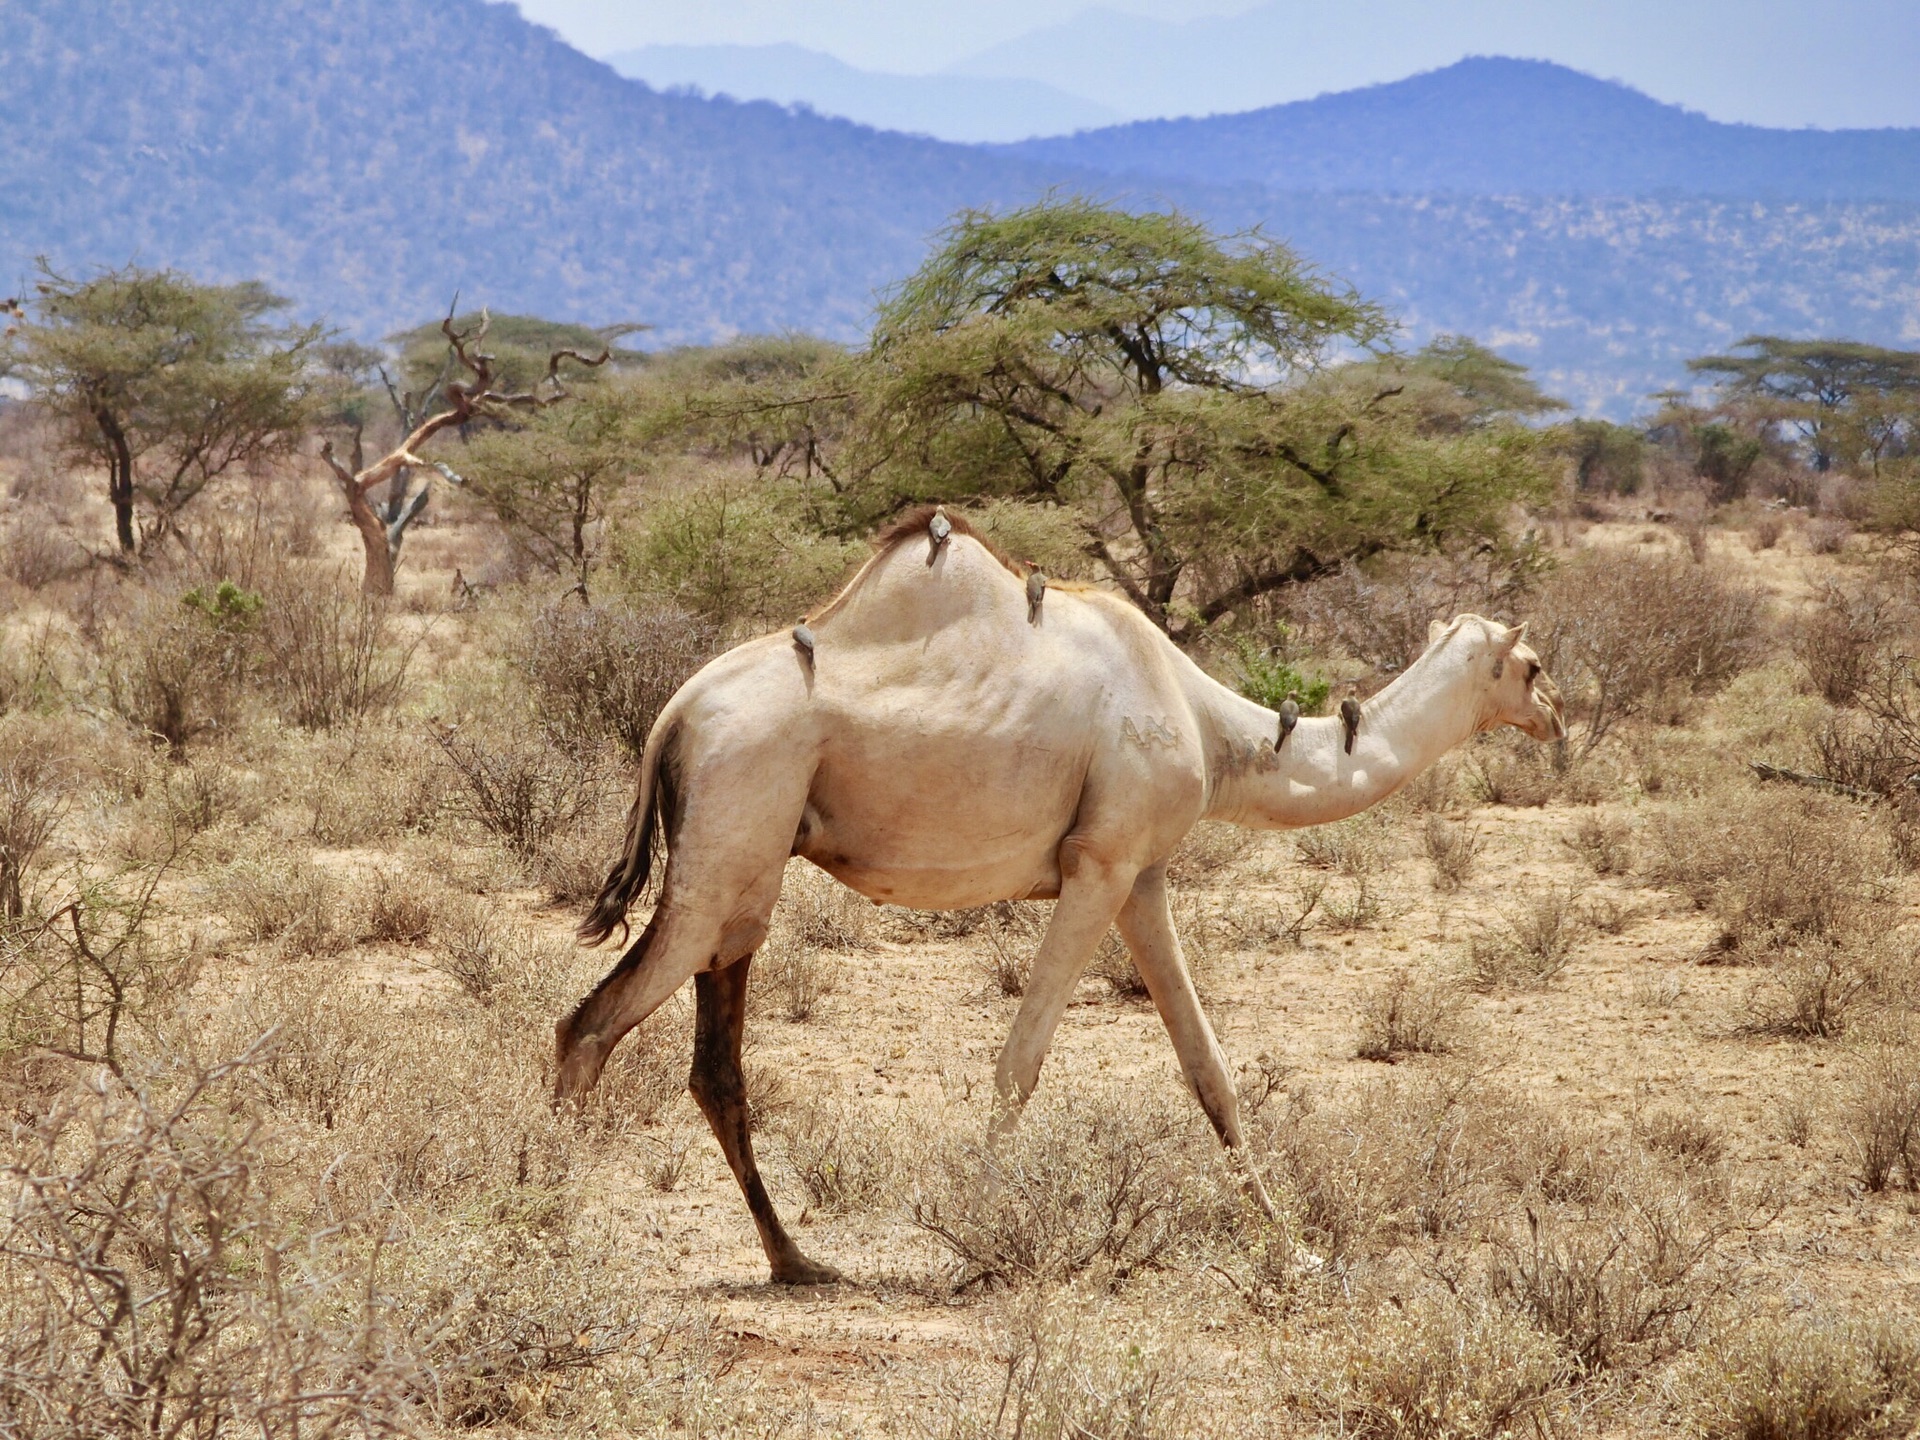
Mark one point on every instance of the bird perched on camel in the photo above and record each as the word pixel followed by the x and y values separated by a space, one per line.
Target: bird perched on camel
pixel 934 747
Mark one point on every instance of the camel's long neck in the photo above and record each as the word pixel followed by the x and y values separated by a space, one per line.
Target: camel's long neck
pixel 1422 715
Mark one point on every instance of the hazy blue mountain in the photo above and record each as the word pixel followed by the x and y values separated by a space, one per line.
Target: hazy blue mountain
pixel 951 107
pixel 1500 127
pixel 371 157
pixel 1783 63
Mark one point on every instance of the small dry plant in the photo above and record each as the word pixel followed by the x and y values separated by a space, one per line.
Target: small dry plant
pixel 793 976
pixel 1012 931
pixel 1407 1014
pixel 1774 869
pixel 1104 1181
pixel 1880 1114
pixel 847 1156
pixel 1805 1377
pixel 35 788
pixel 1620 1286
pixel 1681 1132
pixel 1605 842
pixel 330 661
pixel 1449 1366
pixel 1532 944
pixel 520 789
pixel 1451 850
pixel 1353 847
pixel 603 672
pixel 1817 989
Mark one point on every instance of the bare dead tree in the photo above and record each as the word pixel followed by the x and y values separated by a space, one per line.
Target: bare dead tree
pixel 383 526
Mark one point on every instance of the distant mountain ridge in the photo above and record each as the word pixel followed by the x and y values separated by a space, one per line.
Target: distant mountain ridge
pixel 1492 126
pixel 369 158
pixel 953 107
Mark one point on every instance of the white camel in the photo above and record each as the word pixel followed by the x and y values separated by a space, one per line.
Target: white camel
pixel 945 734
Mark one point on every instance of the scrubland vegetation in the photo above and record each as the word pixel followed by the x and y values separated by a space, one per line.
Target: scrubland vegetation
pixel 1586 1078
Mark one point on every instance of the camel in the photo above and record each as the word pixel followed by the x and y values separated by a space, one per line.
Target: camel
pixel 943 734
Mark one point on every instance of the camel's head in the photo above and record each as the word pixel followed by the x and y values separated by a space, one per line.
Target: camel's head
pixel 1517 691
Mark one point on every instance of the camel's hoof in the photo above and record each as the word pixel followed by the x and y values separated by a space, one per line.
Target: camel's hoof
pixel 799 1270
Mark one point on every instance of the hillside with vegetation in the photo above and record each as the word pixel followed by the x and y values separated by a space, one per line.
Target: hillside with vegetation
pixel 1494 126
pixel 370 161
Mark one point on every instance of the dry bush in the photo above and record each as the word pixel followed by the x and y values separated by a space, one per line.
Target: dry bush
pixel 1405 1014
pixel 1617 630
pixel 1774 869
pixel 1356 908
pixel 793 975
pixel 1435 790
pixel 1880 1114
pixel 1355 847
pixel 1106 1182
pixel 1806 1377
pixel 1402 1159
pixel 174 667
pixel 1012 930
pixel 1071 1368
pixel 1767 528
pixel 90 981
pixel 1681 1132
pixel 1532 944
pixel 1817 989
pixel 1451 850
pixel 1605 842
pixel 482 953
pixel 1208 849
pixel 1443 1367
pixel 1200 933
pixel 645 1075
pixel 823 913
pixel 1619 1287
pixel 401 909
pixel 847 1157
pixel 366 785
pixel 1856 750
pixel 1381 615
pixel 600 672
pixel 329 658
pixel 289 901
pixel 33 555
pixel 1507 769
pixel 36 784
pixel 520 789
pixel 1828 534
pixel 1837 639
pixel 148 1286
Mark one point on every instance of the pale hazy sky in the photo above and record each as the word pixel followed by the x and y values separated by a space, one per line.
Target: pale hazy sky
pixel 1829 63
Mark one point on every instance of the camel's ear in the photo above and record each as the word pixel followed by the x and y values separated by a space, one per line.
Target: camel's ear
pixel 1504 646
pixel 1435 631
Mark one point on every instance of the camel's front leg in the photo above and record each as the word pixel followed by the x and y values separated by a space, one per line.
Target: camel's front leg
pixel 720 1088
pixel 1090 895
pixel 1146 923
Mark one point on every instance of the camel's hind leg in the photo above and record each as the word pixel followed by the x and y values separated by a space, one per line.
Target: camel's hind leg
pixel 1146 924
pixel 721 1091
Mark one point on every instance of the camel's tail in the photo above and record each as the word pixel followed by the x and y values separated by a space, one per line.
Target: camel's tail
pixel 652 815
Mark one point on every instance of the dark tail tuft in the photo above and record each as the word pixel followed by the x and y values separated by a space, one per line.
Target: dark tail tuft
pixel 630 872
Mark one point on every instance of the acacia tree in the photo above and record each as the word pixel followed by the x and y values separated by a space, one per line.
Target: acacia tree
pixel 165 383
pixel 1846 400
pixel 1177 390
pixel 477 397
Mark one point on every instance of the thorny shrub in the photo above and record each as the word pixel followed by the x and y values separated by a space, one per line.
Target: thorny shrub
pixel 847 1157
pixel 148 1285
pixel 1442 1367
pixel 1622 1286
pixel 1816 989
pixel 35 788
pixel 1381 614
pixel 1773 869
pixel 1605 842
pixel 1838 639
pixel 604 672
pixel 330 661
pixel 1085 1182
pixel 1407 1014
pixel 520 789
pixel 1451 850
pixel 1880 1113
pixel 1617 630
pixel 174 666
pixel 1806 1377
pixel 1532 943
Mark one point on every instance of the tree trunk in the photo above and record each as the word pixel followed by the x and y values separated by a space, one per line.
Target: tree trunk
pixel 119 478
pixel 377 580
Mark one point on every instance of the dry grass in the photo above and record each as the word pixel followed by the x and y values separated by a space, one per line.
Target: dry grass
pixel 1531 944
pixel 1451 850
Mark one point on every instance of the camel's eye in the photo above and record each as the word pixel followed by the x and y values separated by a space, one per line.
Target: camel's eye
pixel 1533 671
